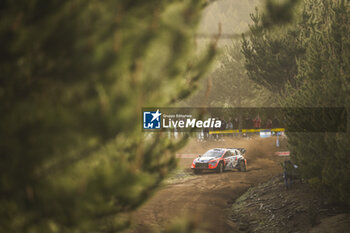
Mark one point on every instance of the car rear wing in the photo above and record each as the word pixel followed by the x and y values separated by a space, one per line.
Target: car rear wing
pixel 242 150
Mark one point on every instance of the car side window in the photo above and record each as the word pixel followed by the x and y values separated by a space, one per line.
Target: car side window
pixel 227 154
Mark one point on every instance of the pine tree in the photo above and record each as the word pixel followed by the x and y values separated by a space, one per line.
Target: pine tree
pixel 271 55
pixel 74 76
pixel 308 64
pixel 325 72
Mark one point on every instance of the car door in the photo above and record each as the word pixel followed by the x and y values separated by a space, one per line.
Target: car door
pixel 228 157
pixel 236 155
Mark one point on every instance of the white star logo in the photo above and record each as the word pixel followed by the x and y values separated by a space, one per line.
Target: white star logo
pixel 156 115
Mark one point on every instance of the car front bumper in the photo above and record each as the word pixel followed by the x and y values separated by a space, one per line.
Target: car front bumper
pixel 204 166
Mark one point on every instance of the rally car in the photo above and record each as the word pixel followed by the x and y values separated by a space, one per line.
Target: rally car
pixel 220 159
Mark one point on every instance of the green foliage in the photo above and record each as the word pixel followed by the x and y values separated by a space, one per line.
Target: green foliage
pixel 325 71
pixel 308 64
pixel 278 12
pixel 183 225
pixel 74 76
pixel 271 56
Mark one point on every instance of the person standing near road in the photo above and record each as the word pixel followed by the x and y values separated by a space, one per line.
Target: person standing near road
pixel 206 134
pixel 257 122
pixel 268 124
pixel 236 123
pixel 223 128
pixel 288 173
pixel 229 126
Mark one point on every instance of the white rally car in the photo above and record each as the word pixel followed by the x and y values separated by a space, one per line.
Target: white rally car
pixel 220 159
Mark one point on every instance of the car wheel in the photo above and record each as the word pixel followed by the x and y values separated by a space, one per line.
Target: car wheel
pixel 197 172
pixel 220 168
pixel 242 166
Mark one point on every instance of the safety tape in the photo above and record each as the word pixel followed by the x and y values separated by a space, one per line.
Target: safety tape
pixel 246 131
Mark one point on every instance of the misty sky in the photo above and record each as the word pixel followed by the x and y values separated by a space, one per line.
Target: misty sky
pixel 232 14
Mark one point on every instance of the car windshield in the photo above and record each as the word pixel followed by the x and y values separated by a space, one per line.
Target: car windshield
pixel 213 153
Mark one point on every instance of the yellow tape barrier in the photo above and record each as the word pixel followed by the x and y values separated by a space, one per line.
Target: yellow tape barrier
pixel 245 131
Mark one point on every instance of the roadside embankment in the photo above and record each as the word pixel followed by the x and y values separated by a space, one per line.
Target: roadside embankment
pixel 269 207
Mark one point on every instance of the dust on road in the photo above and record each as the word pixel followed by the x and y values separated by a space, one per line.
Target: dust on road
pixel 206 197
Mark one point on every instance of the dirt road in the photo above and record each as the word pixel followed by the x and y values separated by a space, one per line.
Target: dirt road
pixel 207 197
